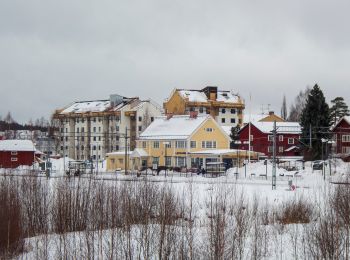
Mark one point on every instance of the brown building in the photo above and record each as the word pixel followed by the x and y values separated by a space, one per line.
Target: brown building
pixel 225 107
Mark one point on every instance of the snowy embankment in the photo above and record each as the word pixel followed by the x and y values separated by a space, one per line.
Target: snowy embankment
pixel 152 217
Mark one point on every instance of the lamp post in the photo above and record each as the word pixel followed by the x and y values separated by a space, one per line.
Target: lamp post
pixel 165 157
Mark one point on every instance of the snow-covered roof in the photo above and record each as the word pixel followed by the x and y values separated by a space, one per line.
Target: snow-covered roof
pixel 176 127
pixel 17 145
pixel 282 127
pixel 118 153
pixel 200 96
pixel 194 95
pixel 88 106
pixel 139 152
pixel 223 151
pixel 346 118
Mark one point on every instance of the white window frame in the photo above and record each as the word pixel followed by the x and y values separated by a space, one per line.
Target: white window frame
pixel 193 144
pixel 180 144
pixel 156 144
pixel 14 153
pixel 280 138
pixel 14 159
pixel 180 161
pixel 270 138
pixel 345 138
pixel 280 149
pixel 290 140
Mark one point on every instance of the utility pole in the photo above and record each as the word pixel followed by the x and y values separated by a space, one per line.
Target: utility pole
pixel 126 150
pixel 274 132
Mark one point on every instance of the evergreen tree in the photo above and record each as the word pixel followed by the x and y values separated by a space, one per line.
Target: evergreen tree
pixel 338 110
pixel 315 114
pixel 284 108
pixel 234 136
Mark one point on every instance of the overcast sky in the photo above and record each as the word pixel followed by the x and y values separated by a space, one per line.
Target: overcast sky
pixel 55 52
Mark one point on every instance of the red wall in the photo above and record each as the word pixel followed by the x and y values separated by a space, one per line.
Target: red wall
pixel 23 158
pixel 260 142
pixel 342 128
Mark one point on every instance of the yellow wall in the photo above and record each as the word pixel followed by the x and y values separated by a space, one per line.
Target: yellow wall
pixel 116 161
pixel 222 142
pixel 175 105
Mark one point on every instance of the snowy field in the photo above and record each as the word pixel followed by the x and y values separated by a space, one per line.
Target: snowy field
pixel 195 195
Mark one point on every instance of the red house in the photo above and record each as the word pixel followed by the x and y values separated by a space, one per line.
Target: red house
pixel 14 153
pixel 341 135
pixel 262 139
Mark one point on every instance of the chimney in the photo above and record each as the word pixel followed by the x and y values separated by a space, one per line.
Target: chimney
pixel 193 114
pixel 211 92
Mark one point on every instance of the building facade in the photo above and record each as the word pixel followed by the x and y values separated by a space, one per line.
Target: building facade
pixel 261 138
pixel 170 140
pixel 224 106
pixel 341 136
pixel 15 153
pixel 90 129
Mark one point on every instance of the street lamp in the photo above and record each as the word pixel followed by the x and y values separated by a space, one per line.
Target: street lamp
pixel 165 157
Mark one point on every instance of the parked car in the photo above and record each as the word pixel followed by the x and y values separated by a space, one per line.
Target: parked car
pixel 318 165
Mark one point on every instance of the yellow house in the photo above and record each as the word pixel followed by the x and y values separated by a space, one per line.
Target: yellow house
pixel 116 160
pixel 225 107
pixel 170 141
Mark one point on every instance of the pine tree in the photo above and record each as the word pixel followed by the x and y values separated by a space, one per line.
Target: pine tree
pixel 284 108
pixel 338 110
pixel 234 136
pixel 315 114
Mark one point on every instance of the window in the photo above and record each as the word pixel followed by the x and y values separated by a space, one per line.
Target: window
pixel 94 138
pixel 280 138
pixel 223 110
pixel 193 144
pixel 140 118
pixel 251 138
pixel 167 161
pixel 155 160
pixel 233 120
pixel 82 147
pixel 77 120
pixel 117 128
pixel 180 144
pixel 99 119
pixel 223 120
pixel 152 118
pixel 140 128
pixel 99 148
pixel 82 130
pixel 201 110
pixel 270 149
pixel 233 111
pixel 167 144
pixel 270 138
pixel 144 144
pixel 345 138
pixel 82 138
pixel 290 140
pixel 94 148
pixel 66 138
pixel 94 129
pixel 280 149
pixel 14 153
pixel 209 129
pixel 209 144
pixel 180 161
pixel 66 130
pixel 117 147
pixel 99 129
pixel 345 150
pixel 121 161
pixel 13 159
pixel 94 119
pixel 99 138
pixel 61 148
pixel 82 120
pixel 156 144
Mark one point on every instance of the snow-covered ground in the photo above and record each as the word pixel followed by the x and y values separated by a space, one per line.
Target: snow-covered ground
pixel 254 181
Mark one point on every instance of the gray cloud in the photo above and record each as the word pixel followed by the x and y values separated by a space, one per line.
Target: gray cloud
pixel 55 52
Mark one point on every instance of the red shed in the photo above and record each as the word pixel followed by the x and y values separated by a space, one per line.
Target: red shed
pixel 14 153
pixel 262 140
pixel 341 133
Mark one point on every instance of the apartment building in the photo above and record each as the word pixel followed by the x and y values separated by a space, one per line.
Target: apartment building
pixel 90 129
pixel 224 106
